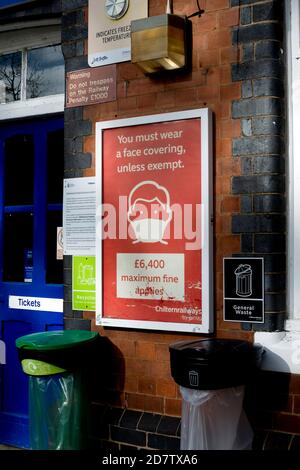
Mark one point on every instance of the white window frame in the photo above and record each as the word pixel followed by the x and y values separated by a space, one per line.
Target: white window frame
pixel 20 36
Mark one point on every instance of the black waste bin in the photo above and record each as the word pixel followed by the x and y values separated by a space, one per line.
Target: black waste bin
pixel 56 362
pixel 212 374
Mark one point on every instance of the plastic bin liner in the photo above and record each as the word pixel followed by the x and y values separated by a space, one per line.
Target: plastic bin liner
pixel 57 414
pixel 214 420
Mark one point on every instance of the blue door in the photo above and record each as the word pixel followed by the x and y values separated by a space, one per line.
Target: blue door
pixel 31 177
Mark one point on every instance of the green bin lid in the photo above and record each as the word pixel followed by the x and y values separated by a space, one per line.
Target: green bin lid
pixel 51 340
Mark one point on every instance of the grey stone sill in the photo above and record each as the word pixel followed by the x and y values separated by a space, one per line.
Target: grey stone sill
pixel 282 348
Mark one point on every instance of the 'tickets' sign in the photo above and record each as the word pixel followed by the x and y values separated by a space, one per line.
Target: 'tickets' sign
pixel 153 222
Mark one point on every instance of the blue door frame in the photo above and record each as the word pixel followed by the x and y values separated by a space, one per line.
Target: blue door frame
pixel 16 322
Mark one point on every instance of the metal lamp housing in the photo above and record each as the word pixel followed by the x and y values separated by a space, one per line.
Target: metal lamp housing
pixel 161 43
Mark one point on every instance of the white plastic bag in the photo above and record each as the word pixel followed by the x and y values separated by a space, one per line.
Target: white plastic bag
pixel 214 420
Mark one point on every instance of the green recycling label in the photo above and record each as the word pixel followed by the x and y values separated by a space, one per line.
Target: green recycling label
pixel 84 283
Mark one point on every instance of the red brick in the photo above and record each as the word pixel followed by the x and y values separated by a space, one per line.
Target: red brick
pixel 89 172
pixel 143 86
pixel 221 324
pixel 296 404
pixel 147 385
pixel 208 58
pixel 207 22
pixel 229 18
pixel 145 350
pixel 229 167
pixel 225 74
pixel 229 55
pixel 286 422
pixel 208 93
pixel 218 39
pixel 295 384
pixel 224 148
pixel 162 352
pixel 131 383
pixel 223 224
pixel 101 112
pixel 89 144
pixel 125 104
pixel 88 315
pixel 238 334
pixel 127 348
pixel 161 369
pixel 127 71
pixel 146 101
pixel 165 99
pixel 200 43
pixel 225 110
pixel 154 404
pixel 217 5
pixel 173 407
pixel 136 366
pixel 213 78
pixel 230 204
pixel 166 388
pixel 229 128
pixel 85 14
pixel 135 401
pixel 188 97
pixel 231 92
pixel 229 244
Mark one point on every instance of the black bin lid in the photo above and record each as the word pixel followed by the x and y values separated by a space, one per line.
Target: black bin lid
pixel 212 349
pixel 217 363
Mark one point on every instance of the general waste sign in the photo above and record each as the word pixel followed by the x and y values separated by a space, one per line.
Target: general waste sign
pixel 153 243
pixel 244 290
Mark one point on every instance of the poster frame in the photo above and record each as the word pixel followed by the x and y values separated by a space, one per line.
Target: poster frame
pixel 205 153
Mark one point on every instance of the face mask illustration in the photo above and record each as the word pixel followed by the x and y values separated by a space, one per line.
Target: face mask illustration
pixel 149 212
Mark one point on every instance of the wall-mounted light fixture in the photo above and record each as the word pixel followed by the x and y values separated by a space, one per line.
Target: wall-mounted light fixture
pixel 161 43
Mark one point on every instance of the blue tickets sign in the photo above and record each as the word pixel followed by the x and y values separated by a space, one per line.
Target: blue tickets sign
pixel 10 3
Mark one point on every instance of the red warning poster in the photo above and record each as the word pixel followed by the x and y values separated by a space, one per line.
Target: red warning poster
pixel 154 237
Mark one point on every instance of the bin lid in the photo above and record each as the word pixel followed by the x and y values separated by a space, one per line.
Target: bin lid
pixel 207 350
pixel 53 340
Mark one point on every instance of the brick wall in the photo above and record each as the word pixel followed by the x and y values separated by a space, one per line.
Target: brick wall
pixel 237 72
pixel 260 149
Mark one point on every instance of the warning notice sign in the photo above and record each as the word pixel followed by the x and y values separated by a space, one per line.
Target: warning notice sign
pixel 153 206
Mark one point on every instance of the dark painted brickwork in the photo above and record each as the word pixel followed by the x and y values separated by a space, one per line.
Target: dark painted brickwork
pixel 260 149
pixel 115 428
pixel 74 32
pixel 35 11
pixel 112 428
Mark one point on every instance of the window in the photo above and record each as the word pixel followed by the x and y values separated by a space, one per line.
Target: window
pixel 31 71
pixel 10 77
pixel 31 74
pixel 45 72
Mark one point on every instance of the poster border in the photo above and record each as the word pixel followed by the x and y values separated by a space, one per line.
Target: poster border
pixel 207 326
